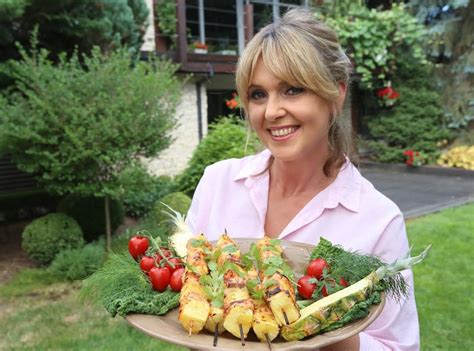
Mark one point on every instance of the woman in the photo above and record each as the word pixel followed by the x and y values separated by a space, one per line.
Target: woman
pixel 292 80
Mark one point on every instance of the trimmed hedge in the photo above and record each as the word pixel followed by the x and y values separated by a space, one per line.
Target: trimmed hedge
pixel 46 236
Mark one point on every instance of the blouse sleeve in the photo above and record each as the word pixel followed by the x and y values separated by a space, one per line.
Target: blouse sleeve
pixel 397 327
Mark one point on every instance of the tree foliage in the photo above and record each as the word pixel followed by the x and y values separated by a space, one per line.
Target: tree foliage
pixel 417 121
pixel 67 24
pixel 78 123
pixel 375 39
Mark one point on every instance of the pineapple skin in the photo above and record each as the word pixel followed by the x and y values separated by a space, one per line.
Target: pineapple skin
pixel 328 310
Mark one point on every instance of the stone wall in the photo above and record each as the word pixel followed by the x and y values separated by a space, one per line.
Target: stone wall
pixel 186 134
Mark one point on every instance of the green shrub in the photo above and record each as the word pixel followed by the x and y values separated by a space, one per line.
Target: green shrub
pixel 89 213
pixel 79 263
pixel 45 237
pixel 226 139
pixel 416 122
pixel 142 189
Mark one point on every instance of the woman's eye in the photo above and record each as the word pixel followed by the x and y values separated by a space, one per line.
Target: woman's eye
pixel 257 95
pixel 294 91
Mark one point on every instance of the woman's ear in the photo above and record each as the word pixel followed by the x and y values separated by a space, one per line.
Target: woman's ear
pixel 342 95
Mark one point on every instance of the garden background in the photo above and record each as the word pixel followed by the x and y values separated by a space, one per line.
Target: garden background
pixel 83 109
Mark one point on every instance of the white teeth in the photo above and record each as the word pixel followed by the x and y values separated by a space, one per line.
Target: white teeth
pixel 282 132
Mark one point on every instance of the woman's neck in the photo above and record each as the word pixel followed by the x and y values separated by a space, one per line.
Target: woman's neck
pixel 292 178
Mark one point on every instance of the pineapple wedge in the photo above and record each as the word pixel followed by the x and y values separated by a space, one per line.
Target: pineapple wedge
pixel 193 305
pixel 238 309
pixel 330 309
pixel 281 299
pixel 215 318
pixel 264 322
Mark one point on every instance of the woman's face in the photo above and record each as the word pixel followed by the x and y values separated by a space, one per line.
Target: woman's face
pixel 292 122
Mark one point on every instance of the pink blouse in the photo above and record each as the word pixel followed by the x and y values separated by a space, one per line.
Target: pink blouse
pixel 349 212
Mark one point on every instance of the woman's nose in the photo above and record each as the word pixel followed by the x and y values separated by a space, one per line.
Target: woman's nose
pixel 274 109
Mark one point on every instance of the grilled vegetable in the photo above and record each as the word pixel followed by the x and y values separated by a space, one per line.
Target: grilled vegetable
pixel 279 292
pixel 322 314
pixel 238 306
pixel 193 305
pixel 264 323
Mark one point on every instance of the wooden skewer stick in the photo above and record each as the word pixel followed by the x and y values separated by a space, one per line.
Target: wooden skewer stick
pixel 216 334
pixel 242 341
pixel 286 318
pixel 190 331
pixel 269 343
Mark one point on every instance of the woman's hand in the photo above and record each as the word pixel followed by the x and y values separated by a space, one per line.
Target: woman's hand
pixel 349 344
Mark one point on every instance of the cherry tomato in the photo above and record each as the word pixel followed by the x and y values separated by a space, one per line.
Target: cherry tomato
pixel 305 288
pixel 332 284
pixel 316 267
pixel 166 252
pixel 147 263
pixel 176 282
pixel 160 278
pixel 177 263
pixel 137 246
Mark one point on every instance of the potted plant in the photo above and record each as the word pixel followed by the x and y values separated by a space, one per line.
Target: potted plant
pixel 199 48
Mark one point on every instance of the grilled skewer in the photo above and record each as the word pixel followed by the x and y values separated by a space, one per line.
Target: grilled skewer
pixel 238 306
pixel 193 305
pixel 264 323
pixel 279 293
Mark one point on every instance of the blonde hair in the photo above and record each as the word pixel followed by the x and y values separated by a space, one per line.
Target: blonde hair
pixel 303 52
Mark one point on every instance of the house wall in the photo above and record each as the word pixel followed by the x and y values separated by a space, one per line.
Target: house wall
pixel 186 134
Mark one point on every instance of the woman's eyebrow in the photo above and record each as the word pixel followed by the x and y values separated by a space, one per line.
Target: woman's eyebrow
pixel 280 84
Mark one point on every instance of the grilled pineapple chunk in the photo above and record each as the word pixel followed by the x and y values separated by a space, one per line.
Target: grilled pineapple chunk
pixel 238 309
pixel 215 318
pixel 193 305
pixel 264 322
pixel 281 299
pixel 197 248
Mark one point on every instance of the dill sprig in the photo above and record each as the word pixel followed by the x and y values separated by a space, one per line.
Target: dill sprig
pixel 122 288
pixel 354 266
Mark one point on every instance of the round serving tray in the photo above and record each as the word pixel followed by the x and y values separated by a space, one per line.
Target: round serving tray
pixel 169 329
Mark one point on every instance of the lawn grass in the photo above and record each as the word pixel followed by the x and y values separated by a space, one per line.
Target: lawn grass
pixel 39 313
pixel 443 284
pixel 52 318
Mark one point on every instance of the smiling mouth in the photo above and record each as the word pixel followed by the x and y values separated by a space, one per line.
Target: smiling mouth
pixel 283 132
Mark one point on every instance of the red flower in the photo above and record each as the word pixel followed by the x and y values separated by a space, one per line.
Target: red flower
pixel 393 95
pixel 384 91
